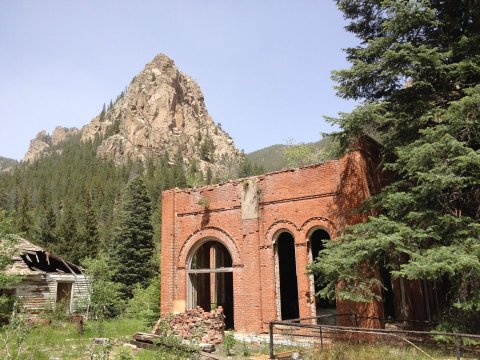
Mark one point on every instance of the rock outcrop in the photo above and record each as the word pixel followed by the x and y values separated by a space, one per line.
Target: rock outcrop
pixel 38 146
pixel 62 133
pixel 43 142
pixel 162 110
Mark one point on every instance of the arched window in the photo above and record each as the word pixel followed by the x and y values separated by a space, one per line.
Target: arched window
pixel 316 244
pixel 210 275
pixel 286 274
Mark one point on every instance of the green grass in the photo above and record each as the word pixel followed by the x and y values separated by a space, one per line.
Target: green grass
pixel 60 340
pixel 376 352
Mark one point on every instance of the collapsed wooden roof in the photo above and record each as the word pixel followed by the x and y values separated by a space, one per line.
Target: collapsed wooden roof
pixel 29 259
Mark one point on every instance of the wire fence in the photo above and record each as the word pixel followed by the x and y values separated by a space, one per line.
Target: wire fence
pixel 330 335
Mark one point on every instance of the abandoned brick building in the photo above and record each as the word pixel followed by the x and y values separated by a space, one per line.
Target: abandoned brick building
pixel 244 245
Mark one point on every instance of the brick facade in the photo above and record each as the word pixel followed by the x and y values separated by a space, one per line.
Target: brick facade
pixel 247 216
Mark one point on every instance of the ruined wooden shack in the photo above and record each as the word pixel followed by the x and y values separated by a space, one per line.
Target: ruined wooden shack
pixel 47 280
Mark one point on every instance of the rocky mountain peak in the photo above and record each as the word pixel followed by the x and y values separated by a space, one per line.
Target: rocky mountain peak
pixel 162 110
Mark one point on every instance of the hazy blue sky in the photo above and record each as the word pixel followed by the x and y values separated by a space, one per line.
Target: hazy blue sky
pixel 263 65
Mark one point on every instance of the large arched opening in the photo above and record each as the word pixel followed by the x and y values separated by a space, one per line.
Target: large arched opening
pixel 210 279
pixel 317 239
pixel 286 269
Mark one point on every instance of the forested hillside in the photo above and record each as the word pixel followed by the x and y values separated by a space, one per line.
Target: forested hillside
pixel 6 163
pixel 272 157
pixel 68 201
pixel 68 193
pixel 281 156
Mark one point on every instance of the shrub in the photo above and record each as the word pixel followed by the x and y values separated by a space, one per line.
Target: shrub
pixel 229 343
pixel 145 303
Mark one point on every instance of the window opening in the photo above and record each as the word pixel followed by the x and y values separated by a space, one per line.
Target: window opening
pixel 287 272
pixel 387 292
pixel 322 306
pixel 210 277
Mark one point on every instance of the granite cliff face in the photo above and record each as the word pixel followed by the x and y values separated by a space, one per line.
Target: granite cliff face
pixel 162 110
pixel 38 147
pixel 43 142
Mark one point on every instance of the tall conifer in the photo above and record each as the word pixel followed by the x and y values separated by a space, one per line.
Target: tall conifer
pixel 67 241
pixel 45 234
pixel 133 246
pixel 417 71
pixel 24 215
pixel 89 229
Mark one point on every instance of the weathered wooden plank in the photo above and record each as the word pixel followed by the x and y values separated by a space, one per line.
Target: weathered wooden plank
pixel 39 292
pixel 146 337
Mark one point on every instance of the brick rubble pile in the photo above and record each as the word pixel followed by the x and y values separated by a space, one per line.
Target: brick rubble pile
pixel 206 326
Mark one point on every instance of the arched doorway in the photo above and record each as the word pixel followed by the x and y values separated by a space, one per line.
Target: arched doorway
pixel 286 270
pixel 316 242
pixel 210 279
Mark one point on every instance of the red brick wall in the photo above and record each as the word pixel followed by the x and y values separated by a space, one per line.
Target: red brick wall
pixel 299 200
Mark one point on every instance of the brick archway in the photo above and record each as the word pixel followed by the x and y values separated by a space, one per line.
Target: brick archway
pixel 314 223
pixel 277 228
pixel 196 238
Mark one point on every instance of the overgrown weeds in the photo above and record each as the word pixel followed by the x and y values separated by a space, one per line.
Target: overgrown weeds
pixel 61 340
pixel 370 352
pixel 172 346
pixel 13 336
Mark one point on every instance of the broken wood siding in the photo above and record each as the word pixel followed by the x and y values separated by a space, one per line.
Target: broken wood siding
pixel 34 293
pixel 39 293
pixel 80 289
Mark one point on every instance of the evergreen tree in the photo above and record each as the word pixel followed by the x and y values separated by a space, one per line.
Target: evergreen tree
pixel 24 215
pixel 45 234
pixel 103 112
pixel 207 149
pixel 67 244
pixel 134 248
pixel 209 175
pixel 178 173
pixel 7 251
pixel 89 230
pixel 64 177
pixel 247 168
pixel 417 71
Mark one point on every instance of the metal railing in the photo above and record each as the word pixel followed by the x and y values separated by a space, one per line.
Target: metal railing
pixel 327 331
